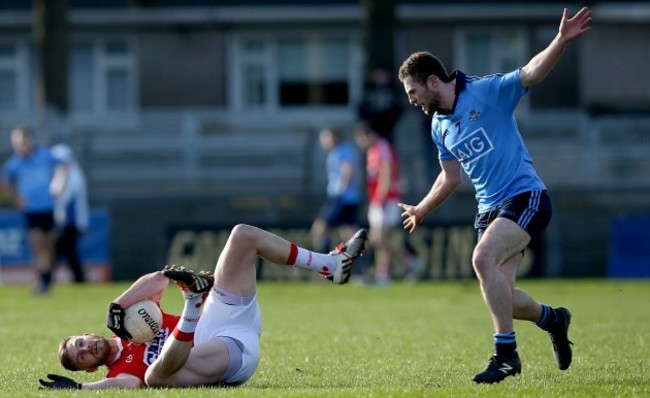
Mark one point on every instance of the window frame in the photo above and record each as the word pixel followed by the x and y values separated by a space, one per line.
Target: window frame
pixel 461 37
pixel 269 60
pixel 102 63
pixel 23 68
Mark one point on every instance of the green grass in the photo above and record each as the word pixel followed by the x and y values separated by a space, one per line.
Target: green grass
pixel 357 341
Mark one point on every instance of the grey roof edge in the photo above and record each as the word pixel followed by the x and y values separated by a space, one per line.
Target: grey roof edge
pixel 603 12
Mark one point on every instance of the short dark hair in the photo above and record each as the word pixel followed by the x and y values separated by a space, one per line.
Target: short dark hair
pixel 363 128
pixel 335 131
pixel 422 64
pixel 24 130
pixel 64 358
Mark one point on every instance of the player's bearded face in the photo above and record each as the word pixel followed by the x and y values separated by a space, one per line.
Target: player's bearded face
pixel 422 96
pixel 90 351
pixel 433 104
pixel 100 348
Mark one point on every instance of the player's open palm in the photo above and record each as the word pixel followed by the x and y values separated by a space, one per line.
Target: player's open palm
pixel 411 218
pixel 570 28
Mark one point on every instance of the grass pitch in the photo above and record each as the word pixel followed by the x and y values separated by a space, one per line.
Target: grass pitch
pixel 320 340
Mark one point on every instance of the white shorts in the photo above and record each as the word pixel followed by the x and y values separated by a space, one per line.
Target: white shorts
pixel 240 322
pixel 386 215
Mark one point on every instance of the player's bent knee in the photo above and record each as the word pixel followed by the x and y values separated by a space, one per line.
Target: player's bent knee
pixel 151 379
pixel 242 232
pixel 481 262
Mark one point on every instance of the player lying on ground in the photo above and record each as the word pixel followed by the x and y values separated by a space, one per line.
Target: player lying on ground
pixel 219 346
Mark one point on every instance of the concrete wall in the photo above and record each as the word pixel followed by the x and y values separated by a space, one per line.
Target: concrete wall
pixel 181 67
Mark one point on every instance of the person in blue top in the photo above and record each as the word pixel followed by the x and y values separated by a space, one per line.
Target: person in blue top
pixel 32 178
pixel 474 128
pixel 71 211
pixel 341 208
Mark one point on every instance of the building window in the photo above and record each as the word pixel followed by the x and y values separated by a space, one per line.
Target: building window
pixel 254 66
pixel 103 77
pixel 291 72
pixel 7 89
pixel 81 78
pixel 486 51
pixel 313 72
pixel 17 74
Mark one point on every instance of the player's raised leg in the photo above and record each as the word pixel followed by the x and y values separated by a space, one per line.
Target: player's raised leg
pixel 219 357
pixel 177 348
pixel 235 269
pixel 182 362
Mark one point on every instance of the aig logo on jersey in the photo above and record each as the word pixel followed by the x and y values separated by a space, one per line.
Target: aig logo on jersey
pixel 473 147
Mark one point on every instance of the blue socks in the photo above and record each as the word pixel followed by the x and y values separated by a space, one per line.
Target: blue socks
pixel 547 319
pixel 505 344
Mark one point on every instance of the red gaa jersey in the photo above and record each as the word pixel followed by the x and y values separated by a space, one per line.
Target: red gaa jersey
pixel 134 359
pixel 379 153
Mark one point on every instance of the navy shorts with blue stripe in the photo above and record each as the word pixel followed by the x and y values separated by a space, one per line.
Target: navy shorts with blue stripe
pixel 531 210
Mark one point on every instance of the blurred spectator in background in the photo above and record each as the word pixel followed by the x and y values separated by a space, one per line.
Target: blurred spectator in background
pixel 384 192
pixel 71 214
pixel 381 103
pixel 343 190
pixel 26 178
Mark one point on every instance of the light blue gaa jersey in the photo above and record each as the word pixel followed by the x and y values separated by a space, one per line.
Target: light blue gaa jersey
pixel 343 152
pixel 31 176
pixel 481 132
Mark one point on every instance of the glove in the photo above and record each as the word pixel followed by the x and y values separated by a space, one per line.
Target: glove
pixel 60 383
pixel 115 321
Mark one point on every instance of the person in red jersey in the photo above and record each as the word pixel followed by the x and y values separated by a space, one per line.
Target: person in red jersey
pixel 215 341
pixel 127 362
pixel 383 183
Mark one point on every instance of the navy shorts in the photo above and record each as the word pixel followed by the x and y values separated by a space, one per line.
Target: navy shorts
pixel 531 210
pixel 41 220
pixel 336 213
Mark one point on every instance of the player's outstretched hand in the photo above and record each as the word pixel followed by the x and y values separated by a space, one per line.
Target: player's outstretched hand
pixel 411 217
pixel 572 27
pixel 115 321
pixel 59 383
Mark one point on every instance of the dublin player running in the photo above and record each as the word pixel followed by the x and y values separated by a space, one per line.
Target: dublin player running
pixel 474 129
pixel 216 346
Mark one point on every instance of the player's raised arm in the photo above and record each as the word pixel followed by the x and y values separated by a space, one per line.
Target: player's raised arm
pixel 150 286
pixel 541 65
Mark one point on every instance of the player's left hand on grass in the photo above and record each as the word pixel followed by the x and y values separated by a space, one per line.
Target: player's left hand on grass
pixel 115 321
pixel 60 383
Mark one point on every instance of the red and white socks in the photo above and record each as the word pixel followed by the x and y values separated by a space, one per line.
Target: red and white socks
pixel 324 264
pixel 186 326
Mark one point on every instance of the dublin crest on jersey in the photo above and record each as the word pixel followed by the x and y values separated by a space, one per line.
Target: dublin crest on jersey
pixel 474 115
